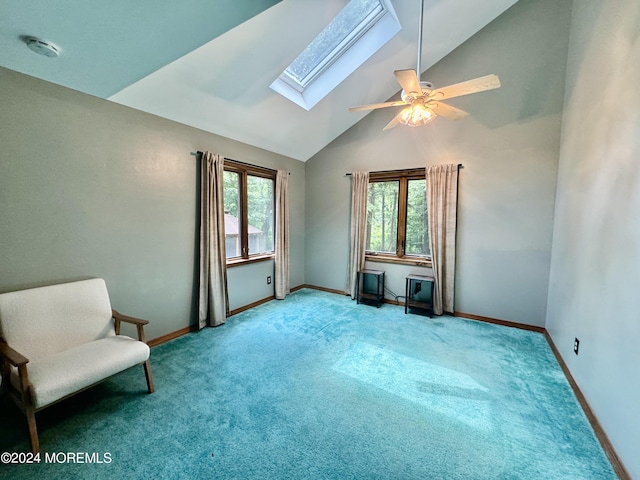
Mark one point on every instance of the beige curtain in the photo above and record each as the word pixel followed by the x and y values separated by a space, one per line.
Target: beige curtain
pixel 359 187
pixel 442 201
pixel 213 295
pixel 282 235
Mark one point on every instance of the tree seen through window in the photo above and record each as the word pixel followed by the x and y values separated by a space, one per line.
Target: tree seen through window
pixel 249 212
pixel 397 222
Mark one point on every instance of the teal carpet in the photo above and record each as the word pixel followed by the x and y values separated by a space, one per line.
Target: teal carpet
pixel 316 386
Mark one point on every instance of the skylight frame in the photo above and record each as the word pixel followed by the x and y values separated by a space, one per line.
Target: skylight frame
pixel 375 30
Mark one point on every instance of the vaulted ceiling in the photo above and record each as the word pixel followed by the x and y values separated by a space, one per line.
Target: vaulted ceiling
pixel 209 64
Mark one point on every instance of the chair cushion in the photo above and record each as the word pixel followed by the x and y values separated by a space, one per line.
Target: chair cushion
pixel 64 373
pixel 40 322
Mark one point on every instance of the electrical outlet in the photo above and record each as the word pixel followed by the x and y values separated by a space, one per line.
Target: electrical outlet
pixel 576 345
pixel 269 280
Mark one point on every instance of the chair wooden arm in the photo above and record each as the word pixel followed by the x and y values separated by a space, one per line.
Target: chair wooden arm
pixel 138 322
pixel 126 318
pixel 15 358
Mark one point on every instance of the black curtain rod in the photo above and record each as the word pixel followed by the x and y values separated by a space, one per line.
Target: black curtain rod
pixel 199 152
pixel 388 171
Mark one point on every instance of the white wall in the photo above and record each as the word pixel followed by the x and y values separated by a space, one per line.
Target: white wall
pixel 593 290
pixel 509 149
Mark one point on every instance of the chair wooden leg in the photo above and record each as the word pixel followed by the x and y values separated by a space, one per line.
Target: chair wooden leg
pixel 33 430
pixel 147 373
pixel 29 409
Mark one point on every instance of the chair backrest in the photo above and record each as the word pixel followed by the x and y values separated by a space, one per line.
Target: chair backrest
pixel 40 322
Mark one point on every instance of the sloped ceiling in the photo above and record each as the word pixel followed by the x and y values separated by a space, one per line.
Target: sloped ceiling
pixel 209 64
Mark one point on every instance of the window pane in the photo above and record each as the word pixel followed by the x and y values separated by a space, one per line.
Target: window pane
pixel 351 18
pixel 417 240
pixel 260 210
pixel 232 222
pixel 382 217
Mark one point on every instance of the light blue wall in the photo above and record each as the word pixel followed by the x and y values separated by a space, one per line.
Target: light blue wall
pixel 249 283
pixel 92 188
pixel 593 289
pixel 509 148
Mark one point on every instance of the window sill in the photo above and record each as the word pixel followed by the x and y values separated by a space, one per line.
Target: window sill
pixel 407 260
pixel 236 262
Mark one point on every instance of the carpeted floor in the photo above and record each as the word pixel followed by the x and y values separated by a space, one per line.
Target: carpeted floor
pixel 316 386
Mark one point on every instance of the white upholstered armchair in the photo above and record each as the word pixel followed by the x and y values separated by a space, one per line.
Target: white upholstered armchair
pixel 58 340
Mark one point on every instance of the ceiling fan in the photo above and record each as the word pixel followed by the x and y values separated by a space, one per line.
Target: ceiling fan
pixel 424 102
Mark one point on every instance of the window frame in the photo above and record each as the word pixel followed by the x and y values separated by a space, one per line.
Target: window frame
pixel 402 177
pixel 244 170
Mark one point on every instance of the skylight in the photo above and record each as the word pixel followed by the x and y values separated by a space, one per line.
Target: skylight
pixel 360 29
pixel 354 19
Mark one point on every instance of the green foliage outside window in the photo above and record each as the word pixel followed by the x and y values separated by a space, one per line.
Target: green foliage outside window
pixel 260 211
pixel 260 214
pixel 417 240
pixel 385 208
pixel 382 217
pixel 232 193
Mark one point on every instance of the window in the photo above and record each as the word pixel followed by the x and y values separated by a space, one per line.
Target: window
pixel 382 217
pixel 397 226
pixel 360 29
pixel 248 212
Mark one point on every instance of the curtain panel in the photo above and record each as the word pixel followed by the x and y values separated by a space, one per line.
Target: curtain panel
pixel 282 288
pixel 213 304
pixel 358 229
pixel 442 201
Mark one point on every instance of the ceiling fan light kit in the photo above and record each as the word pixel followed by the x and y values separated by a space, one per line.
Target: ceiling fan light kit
pixel 416 115
pixel 422 102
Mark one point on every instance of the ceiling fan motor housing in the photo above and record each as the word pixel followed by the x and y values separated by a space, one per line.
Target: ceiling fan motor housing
pixel 409 97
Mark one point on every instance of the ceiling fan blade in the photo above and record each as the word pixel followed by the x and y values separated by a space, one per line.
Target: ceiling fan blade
pixel 376 105
pixel 393 123
pixel 408 80
pixel 447 111
pixel 476 85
